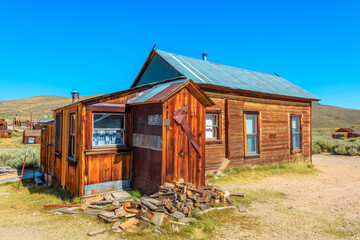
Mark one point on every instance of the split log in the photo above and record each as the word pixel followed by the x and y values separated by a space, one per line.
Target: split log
pixel 129 223
pixel 218 209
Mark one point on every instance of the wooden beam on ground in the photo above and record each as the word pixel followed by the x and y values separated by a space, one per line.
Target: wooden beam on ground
pixel 222 167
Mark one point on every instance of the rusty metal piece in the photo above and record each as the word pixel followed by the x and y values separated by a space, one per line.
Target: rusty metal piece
pixel 180 118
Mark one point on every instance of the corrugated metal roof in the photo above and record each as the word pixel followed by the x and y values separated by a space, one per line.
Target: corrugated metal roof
pixel 212 73
pixel 157 92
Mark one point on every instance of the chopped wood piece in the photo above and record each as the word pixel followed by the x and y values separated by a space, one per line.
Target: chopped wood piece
pixel 149 205
pixel 85 205
pixel 108 214
pixel 93 233
pixel 120 212
pixel 237 194
pixel 116 225
pixel 178 223
pixel 129 223
pixel 115 203
pixel 218 209
pixel 158 219
pixel 205 207
pixel 178 215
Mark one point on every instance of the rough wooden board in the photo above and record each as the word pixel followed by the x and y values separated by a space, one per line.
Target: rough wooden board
pixel 116 225
pixel 85 205
pixel 149 205
pixel 158 218
pixel 108 214
pixel 93 233
pixel 121 194
pixel 237 194
pixel 120 212
pixel 178 215
pixel 129 223
pixel 222 167
pixel 218 209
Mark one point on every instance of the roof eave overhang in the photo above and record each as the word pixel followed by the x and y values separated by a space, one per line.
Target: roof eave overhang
pixel 249 93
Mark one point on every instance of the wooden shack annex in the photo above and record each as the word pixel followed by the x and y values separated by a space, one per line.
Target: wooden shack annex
pixel 181 118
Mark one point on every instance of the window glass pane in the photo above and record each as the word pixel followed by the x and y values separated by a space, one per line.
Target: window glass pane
pixel 108 137
pixel 72 124
pixel 251 143
pixel 108 121
pixel 296 141
pixel 210 132
pixel 251 123
pixel 295 122
pixel 210 120
pixel 57 134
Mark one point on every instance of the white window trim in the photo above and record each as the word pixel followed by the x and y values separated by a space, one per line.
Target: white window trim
pixel 256 134
pixel 215 127
pixel 296 133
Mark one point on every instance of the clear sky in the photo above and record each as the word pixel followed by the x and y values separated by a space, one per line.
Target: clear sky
pixel 98 47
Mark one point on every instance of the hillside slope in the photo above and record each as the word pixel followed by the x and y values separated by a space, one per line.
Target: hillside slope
pixel 324 116
pixel 38 105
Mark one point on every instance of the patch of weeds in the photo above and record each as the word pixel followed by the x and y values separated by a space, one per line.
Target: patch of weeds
pixel 341 228
pixel 244 175
pixel 136 194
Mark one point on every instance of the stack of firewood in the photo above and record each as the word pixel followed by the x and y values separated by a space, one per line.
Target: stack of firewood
pixel 173 201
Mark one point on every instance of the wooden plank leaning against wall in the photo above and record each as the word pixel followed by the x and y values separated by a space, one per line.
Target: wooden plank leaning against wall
pixel 274 125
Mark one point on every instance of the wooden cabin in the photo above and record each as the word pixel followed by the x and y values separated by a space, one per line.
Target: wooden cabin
pixel 4 132
pixel 180 118
pixel 345 133
pixel 23 121
pixel 3 124
pixel 31 137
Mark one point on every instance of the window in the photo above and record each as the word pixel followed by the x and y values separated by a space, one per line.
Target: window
pixel 72 136
pixel 296 132
pixel 212 126
pixel 108 129
pixel 31 140
pixel 57 133
pixel 251 134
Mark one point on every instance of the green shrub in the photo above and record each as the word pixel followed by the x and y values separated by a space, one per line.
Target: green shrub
pixel 353 151
pixel 316 148
pixel 14 156
pixel 353 139
pixel 340 150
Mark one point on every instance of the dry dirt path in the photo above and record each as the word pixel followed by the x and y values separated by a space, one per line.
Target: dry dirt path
pixel 325 205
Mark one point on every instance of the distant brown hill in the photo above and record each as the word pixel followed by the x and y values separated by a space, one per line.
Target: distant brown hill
pixel 324 116
pixel 40 106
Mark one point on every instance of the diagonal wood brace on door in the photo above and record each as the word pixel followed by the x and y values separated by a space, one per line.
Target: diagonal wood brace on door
pixel 180 118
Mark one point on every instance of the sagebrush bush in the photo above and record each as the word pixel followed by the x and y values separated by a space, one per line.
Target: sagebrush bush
pixel 14 156
pixel 352 151
pixel 316 148
pixel 353 139
pixel 340 150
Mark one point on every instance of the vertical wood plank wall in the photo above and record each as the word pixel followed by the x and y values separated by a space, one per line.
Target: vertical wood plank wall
pixel 147 163
pixel 180 158
pixel 274 118
pixel 47 147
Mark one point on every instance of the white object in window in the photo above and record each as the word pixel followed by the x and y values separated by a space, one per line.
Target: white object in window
pixel 108 129
pixel 212 126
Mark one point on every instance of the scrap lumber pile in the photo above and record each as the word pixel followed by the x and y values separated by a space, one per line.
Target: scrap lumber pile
pixel 173 201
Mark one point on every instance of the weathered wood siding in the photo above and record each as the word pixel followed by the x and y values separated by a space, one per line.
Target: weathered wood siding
pixel 274 119
pixel 47 147
pixel 180 159
pixel 147 160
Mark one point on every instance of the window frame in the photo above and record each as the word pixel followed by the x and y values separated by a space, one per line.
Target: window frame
pixel 292 149
pixel 93 129
pixel 60 129
pixel 218 113
pixel 72 137
pixel 258 146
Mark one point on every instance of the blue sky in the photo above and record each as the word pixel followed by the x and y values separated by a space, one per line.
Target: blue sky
pixel 95 47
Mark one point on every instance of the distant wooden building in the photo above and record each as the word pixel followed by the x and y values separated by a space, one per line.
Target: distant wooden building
pixel 32 136
pixel 4 132
pixel 3 124
pixel 23 121
pixel 345 133
pixel 180 118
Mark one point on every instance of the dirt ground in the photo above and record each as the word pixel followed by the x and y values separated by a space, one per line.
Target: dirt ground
pixel 321 206
pixel 325 205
